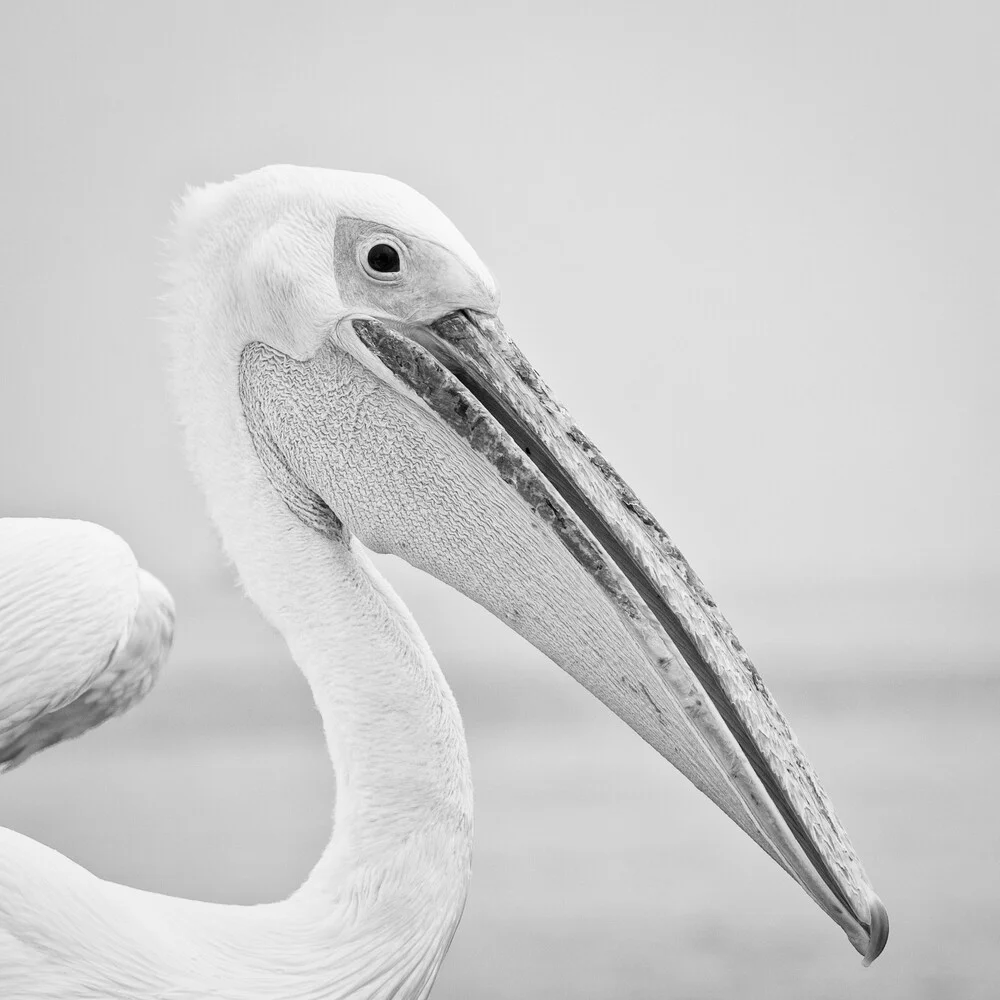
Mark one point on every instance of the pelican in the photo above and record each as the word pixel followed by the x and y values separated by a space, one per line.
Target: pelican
pixel 345 386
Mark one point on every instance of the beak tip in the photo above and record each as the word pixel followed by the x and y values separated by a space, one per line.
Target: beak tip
pixel 878 932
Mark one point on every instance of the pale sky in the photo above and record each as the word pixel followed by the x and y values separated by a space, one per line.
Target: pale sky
pixel 753 247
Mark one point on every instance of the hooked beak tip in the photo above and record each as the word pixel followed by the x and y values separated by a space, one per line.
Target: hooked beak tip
pixel 878 932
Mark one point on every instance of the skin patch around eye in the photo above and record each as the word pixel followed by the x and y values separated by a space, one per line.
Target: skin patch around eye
pixel 357 289
pixel 432 280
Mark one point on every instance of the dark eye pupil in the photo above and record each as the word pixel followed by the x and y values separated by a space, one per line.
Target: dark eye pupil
pixel 383 258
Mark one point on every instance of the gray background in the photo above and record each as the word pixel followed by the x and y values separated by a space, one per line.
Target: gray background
pixel 753 249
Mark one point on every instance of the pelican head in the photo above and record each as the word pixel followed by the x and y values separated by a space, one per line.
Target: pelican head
pixel 341 364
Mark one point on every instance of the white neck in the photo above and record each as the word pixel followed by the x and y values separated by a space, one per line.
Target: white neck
pixel 403 817
pixel 386 896
pixel 383 901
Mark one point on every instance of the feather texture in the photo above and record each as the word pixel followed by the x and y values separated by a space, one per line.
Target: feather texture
pixel 83 632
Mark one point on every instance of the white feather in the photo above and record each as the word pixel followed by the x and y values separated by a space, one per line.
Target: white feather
pixel 83 631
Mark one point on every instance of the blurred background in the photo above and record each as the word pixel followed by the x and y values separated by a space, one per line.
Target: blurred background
pixel 753 248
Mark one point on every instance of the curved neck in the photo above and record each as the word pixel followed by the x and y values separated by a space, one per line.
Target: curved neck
pixel 380 907
pixel 390 887
pixel 404 799
pixel 392 726
pixel 403 818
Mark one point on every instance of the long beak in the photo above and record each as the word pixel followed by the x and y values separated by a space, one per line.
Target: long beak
pixel 699 700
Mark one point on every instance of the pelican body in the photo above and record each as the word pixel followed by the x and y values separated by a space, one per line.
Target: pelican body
pixel 345 385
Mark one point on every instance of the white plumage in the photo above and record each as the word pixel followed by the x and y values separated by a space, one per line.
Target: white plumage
pixel 343 384
pixel 84 631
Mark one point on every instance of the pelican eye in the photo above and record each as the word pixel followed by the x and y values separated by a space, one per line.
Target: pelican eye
pixel 383 258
